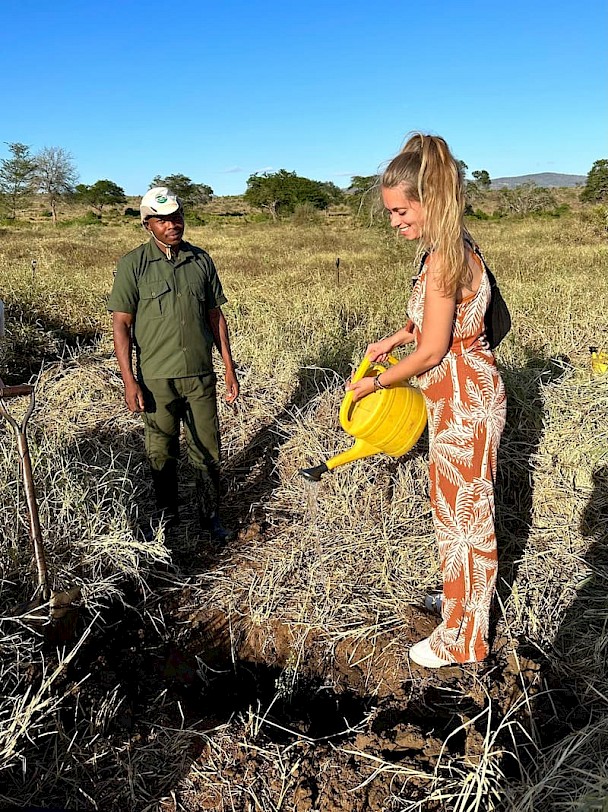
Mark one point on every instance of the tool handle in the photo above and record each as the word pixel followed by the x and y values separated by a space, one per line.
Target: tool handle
pixel 25 463
pixel 19 391
pixel 7 392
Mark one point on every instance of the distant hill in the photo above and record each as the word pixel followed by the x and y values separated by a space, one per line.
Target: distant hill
pixel 545 179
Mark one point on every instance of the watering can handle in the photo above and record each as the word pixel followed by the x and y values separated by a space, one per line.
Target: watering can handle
pixel 360 373
pixel 366 364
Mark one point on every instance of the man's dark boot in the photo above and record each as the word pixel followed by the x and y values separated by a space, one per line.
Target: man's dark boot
pixel 217 531
pixel 207 496
pixel 166 493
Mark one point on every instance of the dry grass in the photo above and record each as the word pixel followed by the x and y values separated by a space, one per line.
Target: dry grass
pixel 338 563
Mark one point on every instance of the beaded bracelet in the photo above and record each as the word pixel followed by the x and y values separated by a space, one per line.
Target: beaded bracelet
pixel 378 384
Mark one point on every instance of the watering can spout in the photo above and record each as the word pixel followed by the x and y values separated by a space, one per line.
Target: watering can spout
pixel 358 451
pixel 314 474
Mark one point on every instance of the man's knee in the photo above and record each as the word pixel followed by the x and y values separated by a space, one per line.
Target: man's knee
pixel 161 447
pixel 202 437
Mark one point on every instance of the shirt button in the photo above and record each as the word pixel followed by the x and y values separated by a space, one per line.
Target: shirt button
pixel 179 294
pixel 184 349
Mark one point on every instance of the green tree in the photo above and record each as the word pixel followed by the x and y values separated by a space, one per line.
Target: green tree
pixel 363 196
pixel 191 194
pixel 463 168
pixel 16 175
pixel 335 195
pixel 476 189
pixel 362 184
pixel 55 176
pixel 596 187
pixel 482 179
pixel 101 193
pixel 280 192
pixel 270 190
pixel 320 194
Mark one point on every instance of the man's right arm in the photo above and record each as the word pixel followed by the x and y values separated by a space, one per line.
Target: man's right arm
pixel 122 324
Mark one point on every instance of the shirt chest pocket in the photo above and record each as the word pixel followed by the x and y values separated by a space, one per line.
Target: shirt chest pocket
pixel 154 298
pixel 196 284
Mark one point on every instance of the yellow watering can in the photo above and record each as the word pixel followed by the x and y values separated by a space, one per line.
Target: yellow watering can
pixel 599 361
pixel 388 420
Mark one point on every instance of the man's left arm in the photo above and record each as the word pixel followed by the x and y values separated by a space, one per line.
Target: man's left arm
pixel 219 328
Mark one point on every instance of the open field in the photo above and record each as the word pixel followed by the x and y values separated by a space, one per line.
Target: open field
pixel 273 674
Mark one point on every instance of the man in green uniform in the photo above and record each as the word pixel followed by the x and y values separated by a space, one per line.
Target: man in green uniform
pixel 166 302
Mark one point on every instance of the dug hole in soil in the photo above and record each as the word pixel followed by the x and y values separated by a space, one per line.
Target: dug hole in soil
pixel 348 726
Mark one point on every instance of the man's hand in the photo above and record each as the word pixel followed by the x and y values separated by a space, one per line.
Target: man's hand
pixel 219 328
pixel 134 397
pixel 232 387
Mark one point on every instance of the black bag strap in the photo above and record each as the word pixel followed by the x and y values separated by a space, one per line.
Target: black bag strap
pixel 497 318
pixel 423 259
pixel 475 249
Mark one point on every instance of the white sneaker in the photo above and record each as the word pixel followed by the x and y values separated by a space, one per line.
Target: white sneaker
pixel 422 654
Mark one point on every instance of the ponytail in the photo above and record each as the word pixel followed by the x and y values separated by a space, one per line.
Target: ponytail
pixel 429 174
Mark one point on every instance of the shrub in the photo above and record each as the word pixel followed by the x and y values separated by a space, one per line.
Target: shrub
pixel 479 214
pixel 556 211
pixel 306 214
pixel 88 219
pixel 526 199
pixel 192 218
pixel 597 218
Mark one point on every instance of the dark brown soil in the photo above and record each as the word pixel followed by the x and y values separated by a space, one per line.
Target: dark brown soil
pixel 352 706
pixel 352 725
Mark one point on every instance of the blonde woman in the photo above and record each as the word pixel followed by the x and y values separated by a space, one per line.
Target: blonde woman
pixel 422 190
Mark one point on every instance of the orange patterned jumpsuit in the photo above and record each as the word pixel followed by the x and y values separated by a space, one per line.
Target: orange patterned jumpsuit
pixel 466 404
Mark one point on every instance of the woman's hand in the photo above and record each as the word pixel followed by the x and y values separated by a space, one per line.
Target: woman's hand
pixel 361 388
pixel 380 350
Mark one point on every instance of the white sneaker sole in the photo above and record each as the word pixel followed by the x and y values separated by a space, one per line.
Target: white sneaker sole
pixel 422 654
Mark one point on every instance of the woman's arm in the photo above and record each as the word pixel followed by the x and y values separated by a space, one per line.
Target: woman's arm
pixel 380 350
pixel 433 342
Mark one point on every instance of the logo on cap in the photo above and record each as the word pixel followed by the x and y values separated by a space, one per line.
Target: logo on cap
pixel 160 199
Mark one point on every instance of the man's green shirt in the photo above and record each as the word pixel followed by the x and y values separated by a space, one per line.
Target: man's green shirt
pixel 170 301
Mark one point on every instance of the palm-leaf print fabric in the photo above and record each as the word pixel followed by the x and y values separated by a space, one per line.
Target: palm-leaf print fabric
pixel 466 405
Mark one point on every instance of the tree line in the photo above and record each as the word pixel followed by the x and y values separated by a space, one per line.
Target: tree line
pixel 52 173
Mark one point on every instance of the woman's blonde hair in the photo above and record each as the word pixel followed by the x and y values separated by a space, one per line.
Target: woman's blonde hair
pixel 429 174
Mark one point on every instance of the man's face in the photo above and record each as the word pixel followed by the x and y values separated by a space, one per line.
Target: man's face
pixel 168 228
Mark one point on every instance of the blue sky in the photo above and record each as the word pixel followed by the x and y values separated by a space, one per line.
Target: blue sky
pixel 220 90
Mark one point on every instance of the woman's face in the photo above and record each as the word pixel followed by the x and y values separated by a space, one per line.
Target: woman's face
pixel 405 214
